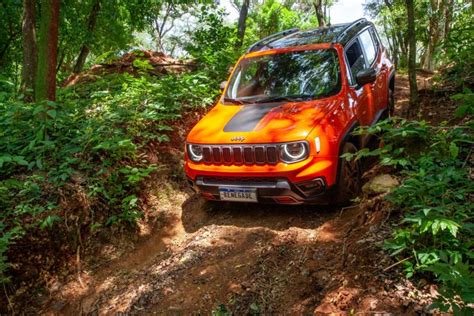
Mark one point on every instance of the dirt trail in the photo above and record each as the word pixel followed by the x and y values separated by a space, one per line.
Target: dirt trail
pixel 250 258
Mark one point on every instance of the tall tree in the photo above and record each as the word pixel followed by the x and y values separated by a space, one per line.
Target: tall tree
pixel 244 10
pixel 320 12
pixel 45 88
pixel 436 29
pixel 412 52
pixel 91 23
pixel 29 46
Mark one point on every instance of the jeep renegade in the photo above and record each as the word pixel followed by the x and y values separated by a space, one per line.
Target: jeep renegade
pixel 286 115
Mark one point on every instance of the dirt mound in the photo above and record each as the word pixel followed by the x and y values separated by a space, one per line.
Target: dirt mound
pixel 136 62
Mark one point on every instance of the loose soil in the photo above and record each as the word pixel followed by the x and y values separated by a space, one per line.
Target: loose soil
pixel 188 256
pixel 195 257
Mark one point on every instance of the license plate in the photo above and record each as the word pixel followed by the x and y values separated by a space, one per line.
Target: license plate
pixel 238 194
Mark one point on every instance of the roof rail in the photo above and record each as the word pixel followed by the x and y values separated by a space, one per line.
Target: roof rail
pixel 267 40
pixel 347 28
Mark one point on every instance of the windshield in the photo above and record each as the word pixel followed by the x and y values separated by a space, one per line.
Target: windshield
pixel 299 75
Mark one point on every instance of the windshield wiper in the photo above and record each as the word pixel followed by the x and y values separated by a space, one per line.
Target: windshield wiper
pixel 295 97
pixel 236 101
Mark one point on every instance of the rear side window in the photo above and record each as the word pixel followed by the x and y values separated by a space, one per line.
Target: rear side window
pixel 369 46
pixel 355 58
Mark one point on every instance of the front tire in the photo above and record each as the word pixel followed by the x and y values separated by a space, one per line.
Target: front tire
pixel 349 180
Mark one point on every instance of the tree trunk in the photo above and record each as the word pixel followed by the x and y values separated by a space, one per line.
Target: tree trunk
pixel 448 17
pixel 412 53
pixel 242 25
pixel 29 48
pixel 318 7
pixel 92 21
pixel 435 30
pixel 81 59
pixel 45 88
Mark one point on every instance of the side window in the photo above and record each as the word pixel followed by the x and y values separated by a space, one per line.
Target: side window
pixel 369 46
pixel 355 58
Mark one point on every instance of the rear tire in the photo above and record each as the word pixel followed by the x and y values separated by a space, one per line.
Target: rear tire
pixel 349 180
pixel 391 103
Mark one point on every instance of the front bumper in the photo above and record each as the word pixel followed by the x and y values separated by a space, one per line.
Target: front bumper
pixel 269 190
pixel 280 183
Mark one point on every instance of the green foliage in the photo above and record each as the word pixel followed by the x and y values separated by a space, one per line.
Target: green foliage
pixel 466 99
pixel 10 39
pixel 457 50
pixel 91 140
pixel 212 44
pixel 272 16
pixel 437 228
pixel 221 310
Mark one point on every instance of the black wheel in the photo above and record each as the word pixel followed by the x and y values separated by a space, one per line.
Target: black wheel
pixel 391 103
pixel 349 183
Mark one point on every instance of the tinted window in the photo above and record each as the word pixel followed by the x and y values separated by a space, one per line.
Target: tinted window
pixel 368 44
pixel 355 58
pixel 313 73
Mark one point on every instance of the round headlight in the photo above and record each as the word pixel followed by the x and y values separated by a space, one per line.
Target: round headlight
pixel 294 152
pixel 195 152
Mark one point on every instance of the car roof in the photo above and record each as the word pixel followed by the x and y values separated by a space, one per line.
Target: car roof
pixel 337 33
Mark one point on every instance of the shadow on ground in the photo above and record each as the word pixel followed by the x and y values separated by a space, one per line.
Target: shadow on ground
pixel 198 213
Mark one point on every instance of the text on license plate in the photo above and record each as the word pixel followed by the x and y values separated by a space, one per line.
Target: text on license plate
pixel 238 194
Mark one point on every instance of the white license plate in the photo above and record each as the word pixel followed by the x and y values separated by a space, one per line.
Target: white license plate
pixel 238 194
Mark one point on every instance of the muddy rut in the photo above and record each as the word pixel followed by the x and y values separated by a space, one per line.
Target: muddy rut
pixel 245 256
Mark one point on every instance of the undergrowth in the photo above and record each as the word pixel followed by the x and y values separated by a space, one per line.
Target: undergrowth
pixel 435 237
pixel 79 162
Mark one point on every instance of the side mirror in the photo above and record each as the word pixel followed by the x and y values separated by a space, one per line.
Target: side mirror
pixel 366 76
pixel 222 85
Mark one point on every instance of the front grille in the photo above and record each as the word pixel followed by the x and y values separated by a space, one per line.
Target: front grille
pixel 240 154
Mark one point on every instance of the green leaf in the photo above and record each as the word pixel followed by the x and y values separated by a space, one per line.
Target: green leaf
pixel 52 113
pixel 453 149
pixel 38 109
pixel 49 221
pixel 20 160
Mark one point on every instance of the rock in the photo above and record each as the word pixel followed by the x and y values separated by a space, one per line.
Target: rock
pixel 380 184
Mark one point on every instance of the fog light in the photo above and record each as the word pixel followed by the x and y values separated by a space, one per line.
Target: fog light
pixel 312 187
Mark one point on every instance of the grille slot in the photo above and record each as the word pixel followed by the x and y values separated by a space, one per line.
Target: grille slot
pixel 207 156
pixel 216 154
pixel 226 154
pixel 272 156
pixel 240 154
pixel 259 155
pixel 248 155
pixel 237 155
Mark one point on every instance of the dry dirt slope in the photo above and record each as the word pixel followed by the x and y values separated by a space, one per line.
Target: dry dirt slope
pixel 249 258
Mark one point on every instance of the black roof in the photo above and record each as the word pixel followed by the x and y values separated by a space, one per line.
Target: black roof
pixel 337 33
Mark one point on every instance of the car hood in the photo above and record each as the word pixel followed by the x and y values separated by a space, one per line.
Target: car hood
pixel 260 123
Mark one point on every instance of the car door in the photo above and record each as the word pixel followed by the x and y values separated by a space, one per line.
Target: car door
pixel 360 96
pixel 372 53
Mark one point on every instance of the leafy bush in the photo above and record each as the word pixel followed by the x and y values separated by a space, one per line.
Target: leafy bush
pixel 212 43
pixel 457 50
pixel 89 142
pixel 436 198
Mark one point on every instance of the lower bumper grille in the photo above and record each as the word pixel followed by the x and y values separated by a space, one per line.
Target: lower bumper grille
pixel 244 181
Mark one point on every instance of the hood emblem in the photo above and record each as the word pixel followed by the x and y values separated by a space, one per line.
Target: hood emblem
pixel 237 139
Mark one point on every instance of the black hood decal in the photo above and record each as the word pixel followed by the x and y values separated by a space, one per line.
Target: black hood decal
pixel 248 117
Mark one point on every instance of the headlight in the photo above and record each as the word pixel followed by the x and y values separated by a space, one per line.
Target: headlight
pixel 194 152
pixel 294 152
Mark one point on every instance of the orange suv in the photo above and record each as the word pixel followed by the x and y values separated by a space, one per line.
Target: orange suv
pixel 286 116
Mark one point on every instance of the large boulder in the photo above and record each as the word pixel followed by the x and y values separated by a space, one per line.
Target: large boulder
pixel 380 184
